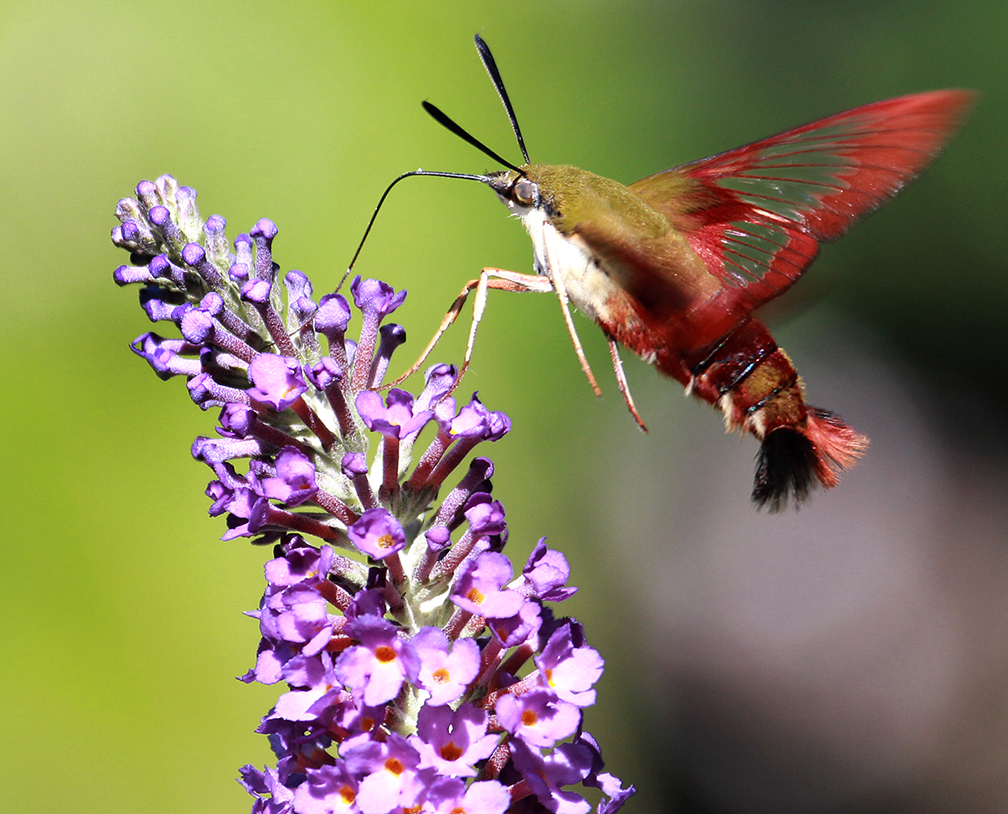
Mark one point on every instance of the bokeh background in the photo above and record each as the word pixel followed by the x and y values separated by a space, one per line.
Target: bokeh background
pixel 851 657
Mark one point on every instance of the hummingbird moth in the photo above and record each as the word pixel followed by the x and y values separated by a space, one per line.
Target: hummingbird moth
pixel 674 265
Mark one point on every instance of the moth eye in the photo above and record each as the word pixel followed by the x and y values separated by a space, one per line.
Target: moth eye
pixel 524 192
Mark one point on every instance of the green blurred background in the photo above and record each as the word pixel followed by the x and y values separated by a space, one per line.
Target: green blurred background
pixel 848 658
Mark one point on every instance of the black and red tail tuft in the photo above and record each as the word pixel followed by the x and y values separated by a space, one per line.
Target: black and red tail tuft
pixel 794 459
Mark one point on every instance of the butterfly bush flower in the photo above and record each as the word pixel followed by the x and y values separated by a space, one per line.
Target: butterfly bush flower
pixel 420 674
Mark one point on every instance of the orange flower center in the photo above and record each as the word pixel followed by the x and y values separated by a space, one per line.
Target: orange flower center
pixel 450 751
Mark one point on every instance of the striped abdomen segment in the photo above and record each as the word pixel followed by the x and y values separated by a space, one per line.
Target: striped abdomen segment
pixel 750 380
pixel 753 382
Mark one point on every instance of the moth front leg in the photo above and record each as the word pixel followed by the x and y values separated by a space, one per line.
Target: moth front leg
pixel 499 279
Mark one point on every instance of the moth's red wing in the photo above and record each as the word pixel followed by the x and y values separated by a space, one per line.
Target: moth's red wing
pixel 757 214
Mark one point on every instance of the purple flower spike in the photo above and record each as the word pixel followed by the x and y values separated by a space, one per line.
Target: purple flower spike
pixel 377 534
pixel 276 381
pixel 399 634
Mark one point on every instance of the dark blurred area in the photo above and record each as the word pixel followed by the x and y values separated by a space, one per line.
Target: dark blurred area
pixel 847 657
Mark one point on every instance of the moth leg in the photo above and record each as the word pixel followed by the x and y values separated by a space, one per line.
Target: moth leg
pixel 621 380
pixel 578 349
pixel 499 279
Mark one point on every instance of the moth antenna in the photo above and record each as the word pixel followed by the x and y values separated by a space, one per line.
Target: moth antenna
pixel 465 176
pixel 448 123
pixel 442 118
pixel 491 68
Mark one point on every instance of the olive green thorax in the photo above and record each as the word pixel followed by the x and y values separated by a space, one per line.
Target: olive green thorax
pixel 648 217
pixel 635 238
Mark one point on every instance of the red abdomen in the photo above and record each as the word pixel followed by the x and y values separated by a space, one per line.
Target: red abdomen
pixel 752 381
